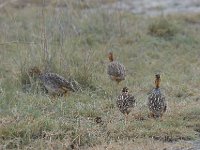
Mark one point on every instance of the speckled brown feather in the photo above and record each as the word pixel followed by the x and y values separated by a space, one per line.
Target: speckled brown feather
pixel 125 102
pixel 156 100
pixel 116 70
pixel 55 83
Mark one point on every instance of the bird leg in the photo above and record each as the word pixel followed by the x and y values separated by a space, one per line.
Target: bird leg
pixel 66 94
pixel 161 117
pixel 64 91
pixel 114 88
pixel 117 86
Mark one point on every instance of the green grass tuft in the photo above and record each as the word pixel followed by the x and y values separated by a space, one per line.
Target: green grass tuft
pixel 163 27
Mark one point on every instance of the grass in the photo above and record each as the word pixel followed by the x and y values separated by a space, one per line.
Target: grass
pixel 78 43
pixel 161 27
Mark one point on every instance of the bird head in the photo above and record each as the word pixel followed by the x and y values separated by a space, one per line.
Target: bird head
pixel 157 80
pixel 125 90
pixel 110 56
pixel 34 72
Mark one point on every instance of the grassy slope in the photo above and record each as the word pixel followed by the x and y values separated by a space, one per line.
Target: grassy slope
pixel 78 44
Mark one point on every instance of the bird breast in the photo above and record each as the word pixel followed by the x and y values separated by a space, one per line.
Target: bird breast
pixel 116 69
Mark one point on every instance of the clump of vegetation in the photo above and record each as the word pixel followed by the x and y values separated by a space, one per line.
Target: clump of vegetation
pixel 193 19
pixel 163 27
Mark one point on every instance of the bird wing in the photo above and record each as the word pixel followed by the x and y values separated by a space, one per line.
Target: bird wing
pixel 59 81
pixel 130 100
pixel 116 69
pixel 157 100
pixel 125 101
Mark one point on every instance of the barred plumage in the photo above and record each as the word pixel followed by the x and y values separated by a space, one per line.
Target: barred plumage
pixel 156 100
pixel 115 70
pixel 125 101
pixel 54 83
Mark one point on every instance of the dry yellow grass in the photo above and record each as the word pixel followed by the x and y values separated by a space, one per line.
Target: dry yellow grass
pixel 78 42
